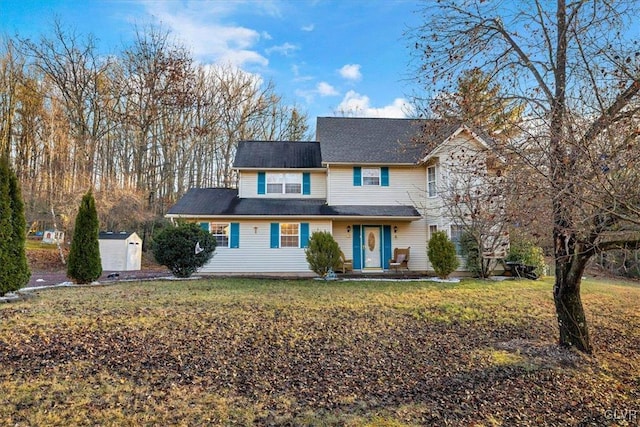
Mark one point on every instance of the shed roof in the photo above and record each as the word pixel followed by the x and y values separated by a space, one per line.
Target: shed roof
pixel 114 235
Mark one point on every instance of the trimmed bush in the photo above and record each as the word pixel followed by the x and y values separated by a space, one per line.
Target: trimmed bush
pixel 442 254
pixel 323 253
pixel 175 248
pixel 85 264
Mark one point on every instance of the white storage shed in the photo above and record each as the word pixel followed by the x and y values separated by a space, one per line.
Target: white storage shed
pixel 120 251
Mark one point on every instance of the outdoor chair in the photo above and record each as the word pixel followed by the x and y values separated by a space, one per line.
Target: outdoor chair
pixel 400 259
pixel 345 264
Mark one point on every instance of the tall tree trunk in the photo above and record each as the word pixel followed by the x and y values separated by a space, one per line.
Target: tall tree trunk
pixel 570 261
pixel 570 314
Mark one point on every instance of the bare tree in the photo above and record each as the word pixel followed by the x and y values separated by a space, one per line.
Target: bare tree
pixel 577 71
pixel 73 67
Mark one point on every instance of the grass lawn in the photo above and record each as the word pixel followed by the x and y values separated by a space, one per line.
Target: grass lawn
pixel 270 352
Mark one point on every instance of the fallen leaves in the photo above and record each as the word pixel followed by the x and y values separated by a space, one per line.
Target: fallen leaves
pixel 212 355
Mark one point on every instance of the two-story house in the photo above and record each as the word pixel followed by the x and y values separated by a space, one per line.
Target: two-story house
pixel 365 181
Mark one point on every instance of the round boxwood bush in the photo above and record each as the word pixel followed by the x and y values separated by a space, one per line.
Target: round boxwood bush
pixel 175 248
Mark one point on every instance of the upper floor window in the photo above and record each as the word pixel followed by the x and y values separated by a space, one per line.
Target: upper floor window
pixel 284 183
pixel 370 176
pixel 431 181
pixel 221 232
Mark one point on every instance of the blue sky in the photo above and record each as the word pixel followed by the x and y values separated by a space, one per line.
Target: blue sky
pixel 324 56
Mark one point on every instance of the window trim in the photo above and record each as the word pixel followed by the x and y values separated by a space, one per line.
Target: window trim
pixel 434 182
pixel 281 234
pixel 226 232
pixel 283 181
pixel 432 232
pixel 379 176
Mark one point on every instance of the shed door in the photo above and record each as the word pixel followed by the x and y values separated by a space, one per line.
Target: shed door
pixel 134 256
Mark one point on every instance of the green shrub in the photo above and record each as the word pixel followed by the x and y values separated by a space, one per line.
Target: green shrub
pixel 323 253
pixel 524 251
pixel 442 254
pixel 175 248
pixel 14 270
pixel 84 264
pixel 471 252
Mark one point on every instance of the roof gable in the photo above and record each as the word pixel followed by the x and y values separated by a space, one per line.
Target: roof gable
pixel 277 155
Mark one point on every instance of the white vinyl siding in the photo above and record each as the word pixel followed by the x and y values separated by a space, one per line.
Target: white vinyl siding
pixel 254 254
pixel 404 187
pixel 248 186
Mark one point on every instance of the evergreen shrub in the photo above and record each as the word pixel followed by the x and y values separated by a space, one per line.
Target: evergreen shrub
pixel 323 253
pixel 175 248
pixel 442 254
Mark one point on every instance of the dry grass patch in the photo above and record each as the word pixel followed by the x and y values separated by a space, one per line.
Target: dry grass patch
pixel 268 352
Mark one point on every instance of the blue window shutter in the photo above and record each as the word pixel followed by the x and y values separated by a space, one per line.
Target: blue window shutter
pixel 275 235
pixel 386 245
pixel 357 248
pixel 304 234
pixel 262 183
pixel 204 226
pixel 235 235
pixel 306 183
pixel 384 176
pixel 357 176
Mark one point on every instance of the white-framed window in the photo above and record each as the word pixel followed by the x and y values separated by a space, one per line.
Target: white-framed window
pixel 433 228
pixel 221 232
pixel 284 183
pixel 370 176
pixel 289 235
pixel 431 181
pixel 456 232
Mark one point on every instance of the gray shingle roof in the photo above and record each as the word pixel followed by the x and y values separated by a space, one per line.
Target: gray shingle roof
pixel 379 140
pixel 368 140
pixel 224 202
pixel 277 155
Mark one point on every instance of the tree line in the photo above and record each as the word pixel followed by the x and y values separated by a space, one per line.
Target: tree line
pixel 139 127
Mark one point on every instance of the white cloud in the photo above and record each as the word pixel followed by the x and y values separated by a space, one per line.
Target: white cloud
pixel 325 89
pixel 356 105
pixel 283 49
pixel 351 72
pixel 322 89
pixel 308 28
pixel 197 25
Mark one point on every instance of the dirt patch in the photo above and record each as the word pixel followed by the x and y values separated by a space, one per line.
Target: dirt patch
pixel 48 268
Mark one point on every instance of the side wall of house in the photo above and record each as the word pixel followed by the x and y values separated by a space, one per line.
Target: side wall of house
pixel 254 253
pixel 406 187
